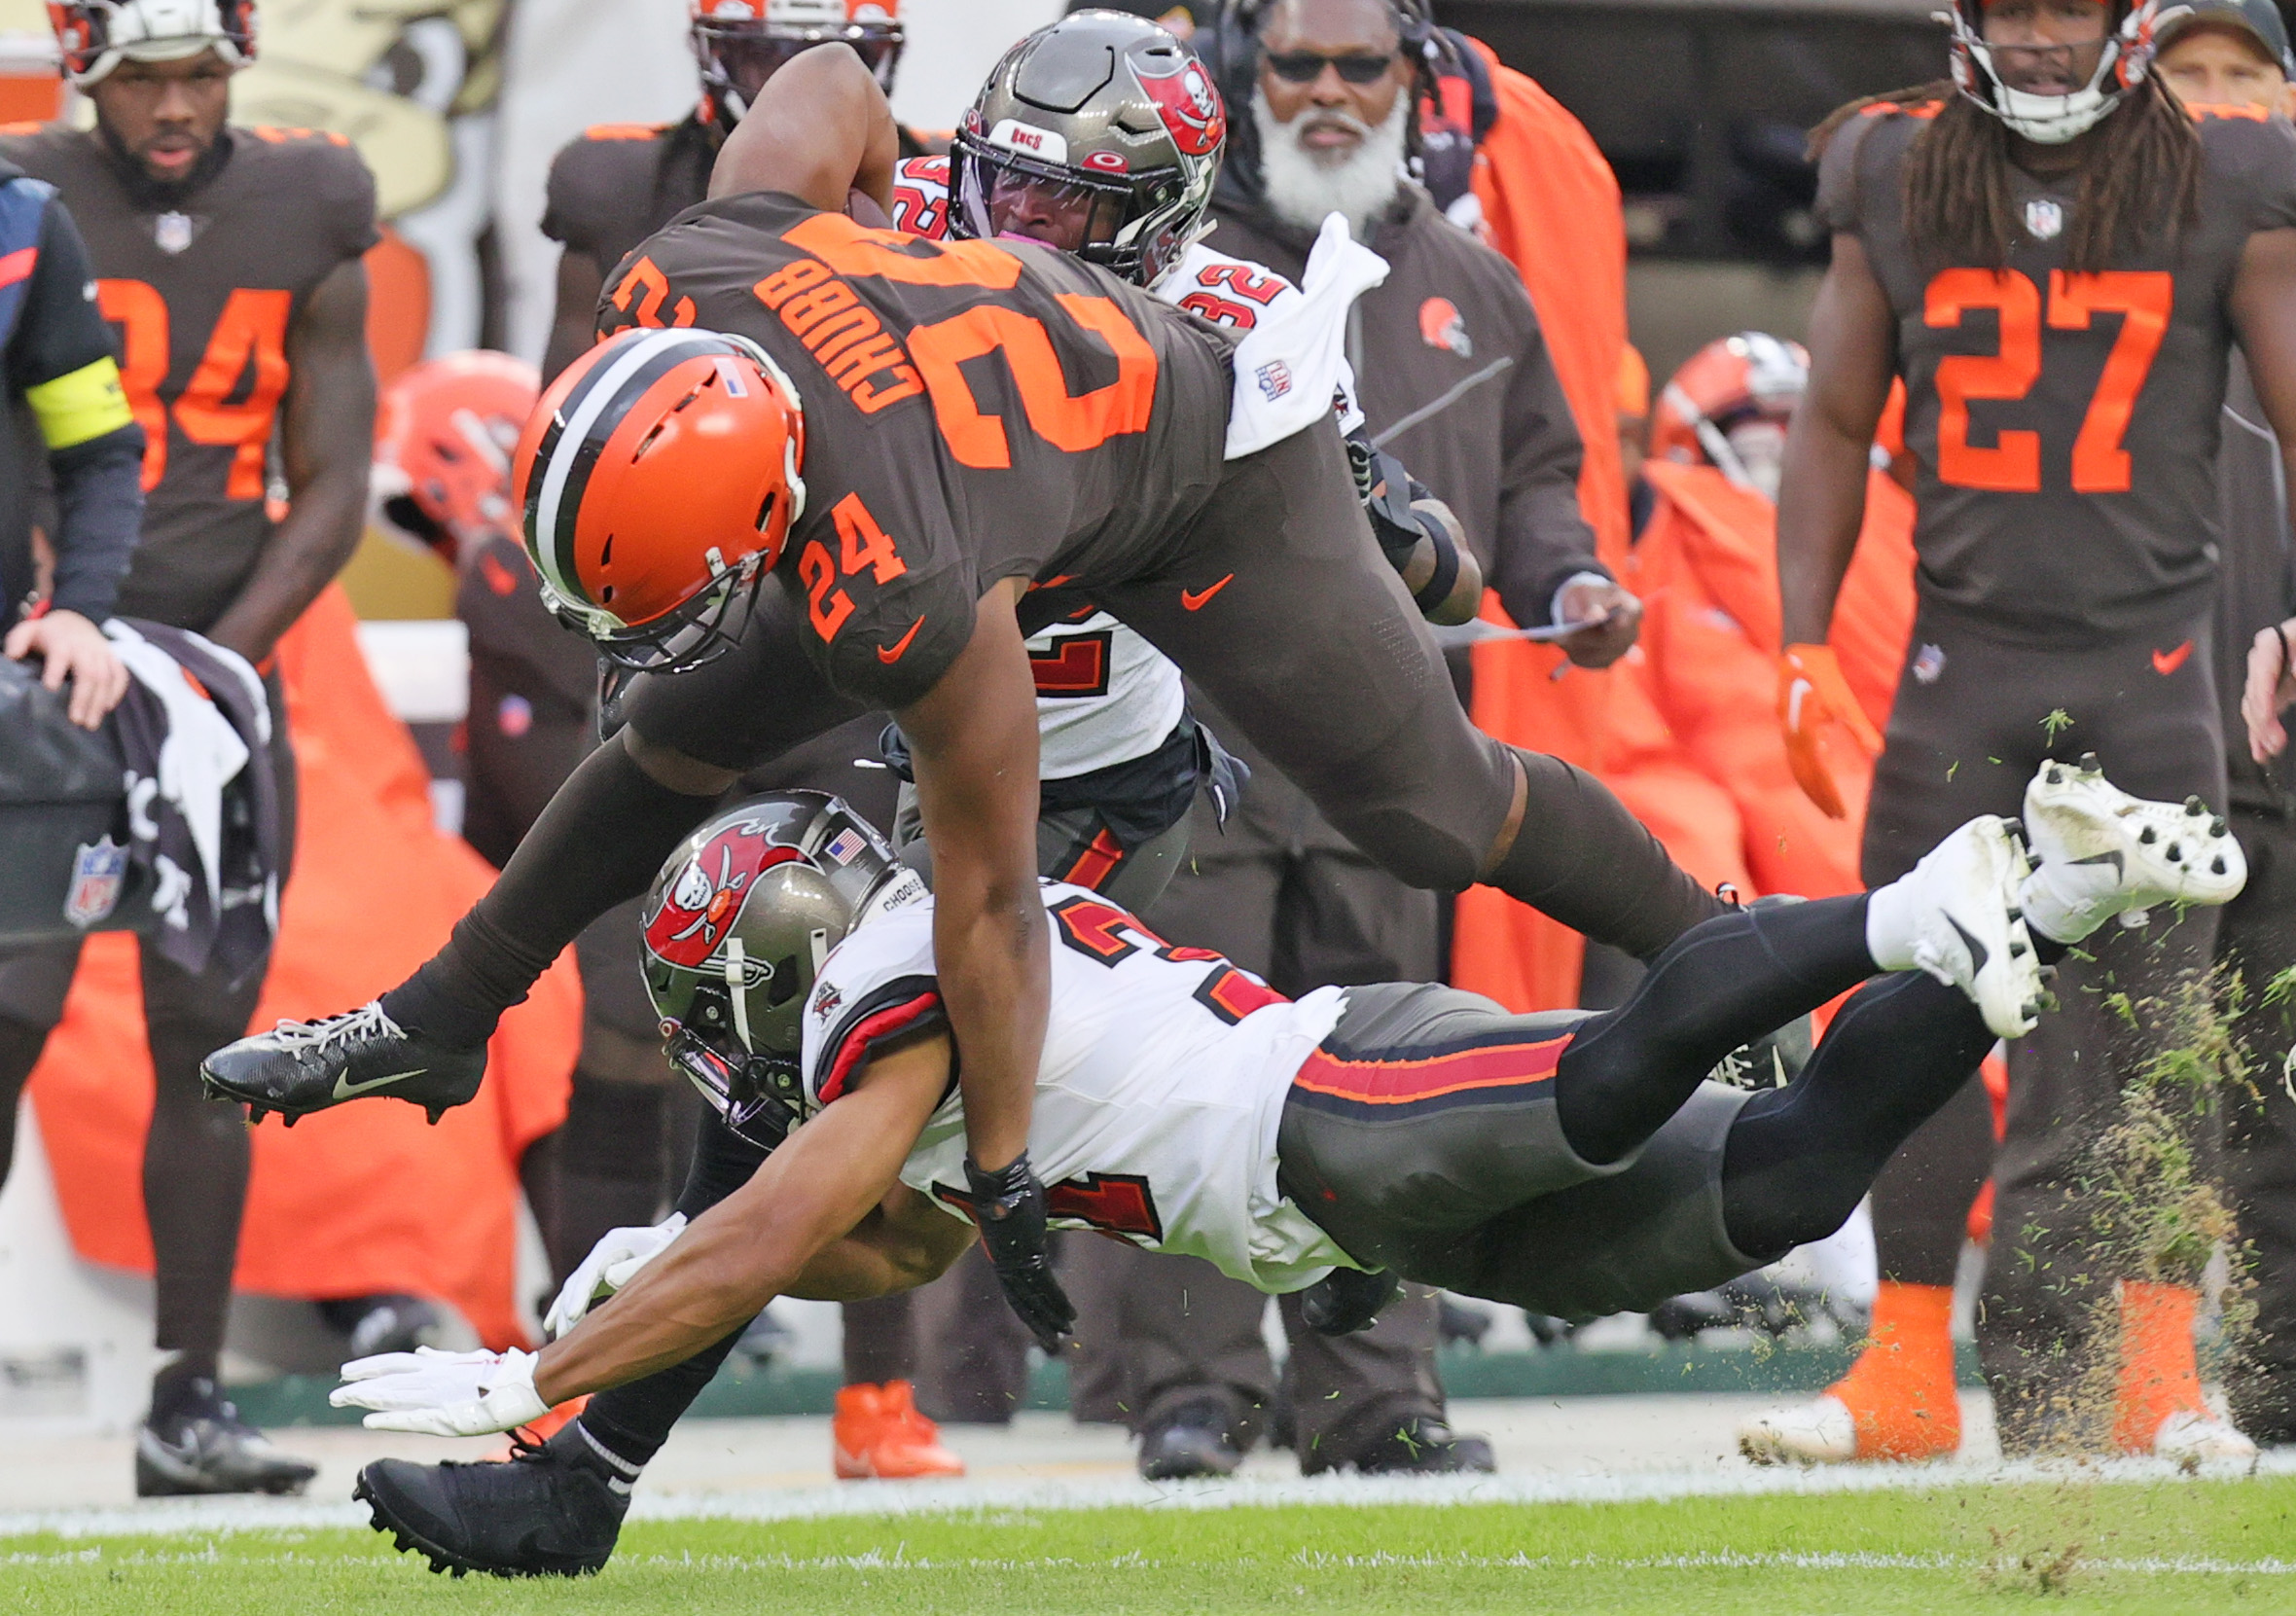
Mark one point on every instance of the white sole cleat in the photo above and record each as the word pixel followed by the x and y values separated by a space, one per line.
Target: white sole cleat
pixel 2098 852
pixel 2188 1438
pixel 1956 917
pixel 1819 1431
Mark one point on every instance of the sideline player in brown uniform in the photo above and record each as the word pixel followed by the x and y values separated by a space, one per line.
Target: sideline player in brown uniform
pixel 229 259
pixel 959 487
pixel 2057 258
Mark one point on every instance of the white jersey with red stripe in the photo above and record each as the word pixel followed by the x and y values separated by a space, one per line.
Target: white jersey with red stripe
pixel 1156 1103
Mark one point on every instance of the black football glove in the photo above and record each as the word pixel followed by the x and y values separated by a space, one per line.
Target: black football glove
pixel 1009 1206
pixel 1345 1300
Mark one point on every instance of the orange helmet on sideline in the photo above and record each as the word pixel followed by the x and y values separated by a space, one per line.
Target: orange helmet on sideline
pixel 1727 408
pixel 442 442
pixel 658 479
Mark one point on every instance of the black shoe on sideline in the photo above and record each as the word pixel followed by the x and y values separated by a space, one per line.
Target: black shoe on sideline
pixel 549 1510
pixel 1193 1441
pixel 299 1067
pixel 1421 1446
pixel 201 1446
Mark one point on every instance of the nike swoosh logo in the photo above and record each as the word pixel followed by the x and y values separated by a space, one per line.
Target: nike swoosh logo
pixel 1977 951
pixel 346 1088
pixel 2166 663
pixel 893 653
pixel 1194 601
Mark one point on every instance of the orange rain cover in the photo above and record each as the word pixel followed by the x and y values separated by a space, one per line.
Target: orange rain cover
pixel 367 1198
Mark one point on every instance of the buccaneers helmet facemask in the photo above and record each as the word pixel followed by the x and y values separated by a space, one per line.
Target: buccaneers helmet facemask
pixel 1099 135
pixel 2051 120
pixel 735 931
pixel 739 50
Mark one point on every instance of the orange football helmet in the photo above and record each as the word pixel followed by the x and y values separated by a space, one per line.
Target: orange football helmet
pixel 1727 408
pixel 658 479
pixel 442 442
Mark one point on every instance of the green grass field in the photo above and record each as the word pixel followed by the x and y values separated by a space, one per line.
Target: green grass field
pixel 2074 1547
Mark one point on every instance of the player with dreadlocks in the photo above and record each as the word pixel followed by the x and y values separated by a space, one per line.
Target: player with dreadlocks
pixel 2056 256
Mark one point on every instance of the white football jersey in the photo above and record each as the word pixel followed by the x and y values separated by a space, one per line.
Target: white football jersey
pixel 1156 1104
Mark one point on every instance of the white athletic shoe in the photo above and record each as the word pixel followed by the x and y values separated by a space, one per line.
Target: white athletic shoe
pixel 2187 1438
pixel 2098 852
pixel 1819 1431
pixel 1955 916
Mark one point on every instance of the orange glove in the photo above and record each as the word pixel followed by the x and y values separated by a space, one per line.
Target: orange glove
pixel 1812 696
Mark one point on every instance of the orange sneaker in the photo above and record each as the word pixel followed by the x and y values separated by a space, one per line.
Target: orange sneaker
pixel 1897 1402
pixel 2159 1409
pixel 879 1434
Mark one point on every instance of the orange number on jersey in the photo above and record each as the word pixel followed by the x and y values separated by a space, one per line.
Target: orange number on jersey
pixel 141 314
pixel 2142 297
pixel 852 249
pixel 2014 465
pixel 645 276
pixel 862 543
pixel 828 607
pixel 1069 422
pixel 246 356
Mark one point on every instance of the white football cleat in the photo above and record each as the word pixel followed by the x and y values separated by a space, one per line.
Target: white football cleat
pixel 1819 1431
pixel 1955 915
pixel 2188 1438
pixel 2098 852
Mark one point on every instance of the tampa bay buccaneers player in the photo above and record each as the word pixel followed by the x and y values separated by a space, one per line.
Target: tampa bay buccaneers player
pixel 989 435
pixel 229 260
pixel 2056 255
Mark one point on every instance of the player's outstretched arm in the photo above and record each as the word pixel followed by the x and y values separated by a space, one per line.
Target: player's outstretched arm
pixel 826 129
pixel 755 1245
pixel 327 441
pixel 2264 314
pixel 1821 500
pixel 904 1242
pixel 974 738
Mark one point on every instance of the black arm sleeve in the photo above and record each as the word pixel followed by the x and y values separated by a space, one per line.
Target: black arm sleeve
pixel 99 488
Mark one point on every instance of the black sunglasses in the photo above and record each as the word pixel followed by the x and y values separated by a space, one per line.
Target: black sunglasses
pixel 1305 67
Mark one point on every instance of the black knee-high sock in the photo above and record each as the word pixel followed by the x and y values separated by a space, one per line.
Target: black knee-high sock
pixel 632 1421
pixel 1800 1158
pixel 600 841
pixel 1583 859
pixel 1724 982
pixel 195 1162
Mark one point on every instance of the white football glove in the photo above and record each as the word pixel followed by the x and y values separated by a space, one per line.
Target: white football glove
pixel 439 1393
pixel 612 1264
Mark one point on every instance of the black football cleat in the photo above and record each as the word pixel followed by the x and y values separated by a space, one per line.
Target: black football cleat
pixel 552 1510
pixel 1421 1446
pixel 204 1447
pixel 1193 1442
pixel 299 1067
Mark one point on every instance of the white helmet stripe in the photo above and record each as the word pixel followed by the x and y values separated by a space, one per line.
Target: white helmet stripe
pixel 553 553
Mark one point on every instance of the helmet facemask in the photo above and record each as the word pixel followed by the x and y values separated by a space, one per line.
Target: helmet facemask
pixel 687 636
pixel 739 54
pixel 2122 62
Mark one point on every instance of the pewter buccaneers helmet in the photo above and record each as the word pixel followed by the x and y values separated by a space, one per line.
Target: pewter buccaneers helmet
pixel 2053 120
pixel 94 36
pixel 1107 122
pixel 737 927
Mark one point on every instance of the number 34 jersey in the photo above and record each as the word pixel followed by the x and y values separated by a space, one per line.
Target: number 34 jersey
pixel 973 412
pixel 1163 1083
pixel 204 289
pixel 2064 426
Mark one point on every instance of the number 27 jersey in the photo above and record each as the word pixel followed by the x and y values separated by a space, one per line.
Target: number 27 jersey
pixel 2064 426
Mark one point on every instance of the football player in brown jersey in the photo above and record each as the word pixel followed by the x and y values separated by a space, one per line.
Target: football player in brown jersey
pixel 229 261
pixel 1070 443
pixel 2056 255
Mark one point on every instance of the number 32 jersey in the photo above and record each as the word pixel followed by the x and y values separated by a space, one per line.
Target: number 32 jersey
pixel 202 290
pixel 2064 426
pixel 973 412
pixel 1163 1083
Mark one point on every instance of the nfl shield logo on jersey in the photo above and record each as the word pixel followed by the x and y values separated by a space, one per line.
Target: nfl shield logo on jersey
pixel 97 874
pixel 2044 218
pixel 1274 378
pixel 173 231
